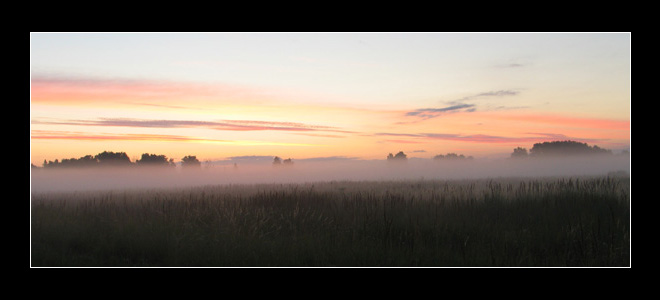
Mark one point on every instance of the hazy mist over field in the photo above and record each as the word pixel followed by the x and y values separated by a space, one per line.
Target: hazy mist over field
pixel 302 171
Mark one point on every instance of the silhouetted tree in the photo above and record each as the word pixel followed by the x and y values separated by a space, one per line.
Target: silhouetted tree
pixel 85 161
pixel 277 161
pixel 563 148
pixel 88 161
pixel 398 157
pixel 106 158
pixel 48 164
pixel 190 161
pixel 288 162
pixel 153 160
pixel 519 153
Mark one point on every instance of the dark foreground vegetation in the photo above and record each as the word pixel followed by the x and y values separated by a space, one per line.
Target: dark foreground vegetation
pixel 505 222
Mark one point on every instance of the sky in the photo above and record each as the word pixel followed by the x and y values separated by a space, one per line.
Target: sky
pixel 318 95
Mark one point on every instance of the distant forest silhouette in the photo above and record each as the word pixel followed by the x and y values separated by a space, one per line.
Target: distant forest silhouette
pixel 451 156
pixel 539 150
pixel 121 159
pixel 559 148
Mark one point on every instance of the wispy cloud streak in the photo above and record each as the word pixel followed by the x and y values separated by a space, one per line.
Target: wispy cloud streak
pixel 500 93
pixel 67 90
pixel 459 105
pixel 73 135
pixel 82 136
pixel 231 125
pixel 403 141
pixel 427 113
pixel 484 138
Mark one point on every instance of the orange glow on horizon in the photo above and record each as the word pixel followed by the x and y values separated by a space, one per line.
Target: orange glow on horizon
pixel 223 120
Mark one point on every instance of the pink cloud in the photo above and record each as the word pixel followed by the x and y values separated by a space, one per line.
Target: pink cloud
pixel 72 135
pixel 62 90
pixel 484 138
pixel 231 125
pixel 403 141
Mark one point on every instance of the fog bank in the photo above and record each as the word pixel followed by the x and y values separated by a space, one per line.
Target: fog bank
pixel 47 180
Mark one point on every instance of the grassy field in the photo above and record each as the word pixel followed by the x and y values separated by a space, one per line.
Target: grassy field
pixel 545 222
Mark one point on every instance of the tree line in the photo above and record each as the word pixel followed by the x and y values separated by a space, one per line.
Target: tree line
pixel 401 156
pixel 559 148
pixel 120 159
pixel 545 149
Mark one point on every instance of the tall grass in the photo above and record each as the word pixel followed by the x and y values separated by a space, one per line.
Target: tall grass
pixel 505 222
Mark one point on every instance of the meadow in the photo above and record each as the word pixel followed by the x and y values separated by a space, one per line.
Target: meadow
pixel 505 222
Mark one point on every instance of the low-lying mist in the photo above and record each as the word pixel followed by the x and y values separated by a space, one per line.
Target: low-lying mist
pixel 48 180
